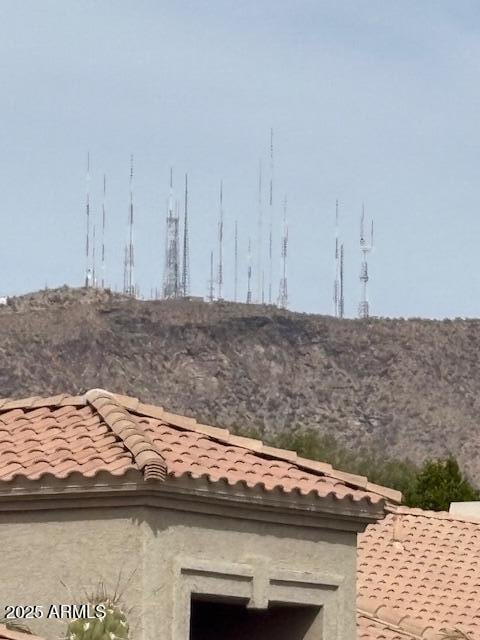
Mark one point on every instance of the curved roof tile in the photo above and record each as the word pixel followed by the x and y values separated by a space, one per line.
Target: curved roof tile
pixel 105 432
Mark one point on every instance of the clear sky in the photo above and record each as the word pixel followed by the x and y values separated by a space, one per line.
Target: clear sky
pixel 375 101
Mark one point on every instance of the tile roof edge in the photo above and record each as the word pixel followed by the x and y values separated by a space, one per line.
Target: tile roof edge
pixel 258 446
pixel 34 402
pixel 143 447
pixel 119 419
pixel 402 510
pixel 13 634
pixel 394 620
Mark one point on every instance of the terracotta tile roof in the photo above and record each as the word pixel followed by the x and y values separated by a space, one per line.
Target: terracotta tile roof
pixel 419 574
pixel 105 432
pixel 11 634
pixel 370 628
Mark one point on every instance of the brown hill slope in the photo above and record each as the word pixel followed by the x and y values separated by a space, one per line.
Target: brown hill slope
pixel 403 387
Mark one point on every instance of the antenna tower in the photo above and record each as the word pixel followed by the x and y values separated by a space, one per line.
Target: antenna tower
pixel 260 292
pixel 336 282
pixel 125 261
pixel 88 271
pixel 186 256
pixel 220 247
pixel 341 300
pixel 235 280
pixel 129 285
pixel 171 282
pixel 94 243
pixel 283 292
pixel 249 272
pixel 365 248
pixel 270 240
pixel 104 216
pixel 211 282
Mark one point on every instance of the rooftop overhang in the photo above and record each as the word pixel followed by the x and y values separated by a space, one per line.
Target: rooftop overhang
pixel 187 494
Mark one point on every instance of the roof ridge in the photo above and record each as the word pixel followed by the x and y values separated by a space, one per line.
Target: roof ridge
pixel 122 408
pixel 437 515
pixel 119 419
pixel 257 446
pixel 393 618
pixel 34 402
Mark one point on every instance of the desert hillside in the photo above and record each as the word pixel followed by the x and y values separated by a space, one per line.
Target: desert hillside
pixel 406 388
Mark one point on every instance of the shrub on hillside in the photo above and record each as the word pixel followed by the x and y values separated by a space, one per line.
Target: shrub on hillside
pixel 437 484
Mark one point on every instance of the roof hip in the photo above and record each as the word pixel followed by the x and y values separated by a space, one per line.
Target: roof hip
pixel 125 427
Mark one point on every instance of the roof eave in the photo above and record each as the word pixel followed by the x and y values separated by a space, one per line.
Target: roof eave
pixel 189 494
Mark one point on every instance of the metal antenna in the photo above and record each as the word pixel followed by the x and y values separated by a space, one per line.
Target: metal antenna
pixel 336 282
pixel 341 300
pixel 220 246
pixel 249 272
pixel 104 216
pixel 125 268
pixel 171 273
pixel 94 243
pixel 270 241
pixel 186 257
pixel 259 235
pixel 235 280
pixel 283 292
pixel 88 272
pixel 211 282
pixel 270 254
pixel 129 288
pixel 365 248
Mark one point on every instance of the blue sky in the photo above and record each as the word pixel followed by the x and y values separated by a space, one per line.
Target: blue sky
pixel 375 101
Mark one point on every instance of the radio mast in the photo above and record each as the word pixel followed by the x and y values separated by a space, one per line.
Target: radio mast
pixel 104 222
pixel 365 248
pixel 341 300
pixel 220 247
pixel 270 235
pixel 283 292
pixel 260 287
pixel 171 282
pixel 235 278
pixel 186 256
pixel 88 271
pixel 336 282
pixel 94 244
pixel 129 288
pixel 211 282
pixel 249 272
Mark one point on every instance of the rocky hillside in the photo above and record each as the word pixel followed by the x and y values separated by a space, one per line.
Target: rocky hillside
pixel 406 388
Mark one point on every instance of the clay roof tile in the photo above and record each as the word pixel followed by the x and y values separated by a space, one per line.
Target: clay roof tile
pixel 93 431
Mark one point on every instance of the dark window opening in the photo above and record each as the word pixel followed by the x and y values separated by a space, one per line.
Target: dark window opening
pixel 211 619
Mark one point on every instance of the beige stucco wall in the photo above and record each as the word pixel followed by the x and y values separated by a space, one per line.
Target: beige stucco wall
pixel 40 551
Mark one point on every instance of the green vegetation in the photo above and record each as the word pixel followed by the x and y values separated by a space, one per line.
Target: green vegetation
pixel 432 486
pixel 113 626
pixel 437 484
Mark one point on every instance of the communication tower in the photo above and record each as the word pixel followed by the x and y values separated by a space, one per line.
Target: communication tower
pixel 88 270
pixel 366 245
pixel 129 288
pixel 220 247
pixel 249 272
pixel 186 251
pixel 283 292
pixel 171 273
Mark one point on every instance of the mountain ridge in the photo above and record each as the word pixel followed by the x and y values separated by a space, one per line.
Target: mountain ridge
pixel 401 388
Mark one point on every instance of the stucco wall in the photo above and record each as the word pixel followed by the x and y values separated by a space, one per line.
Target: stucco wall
pixel 42 550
